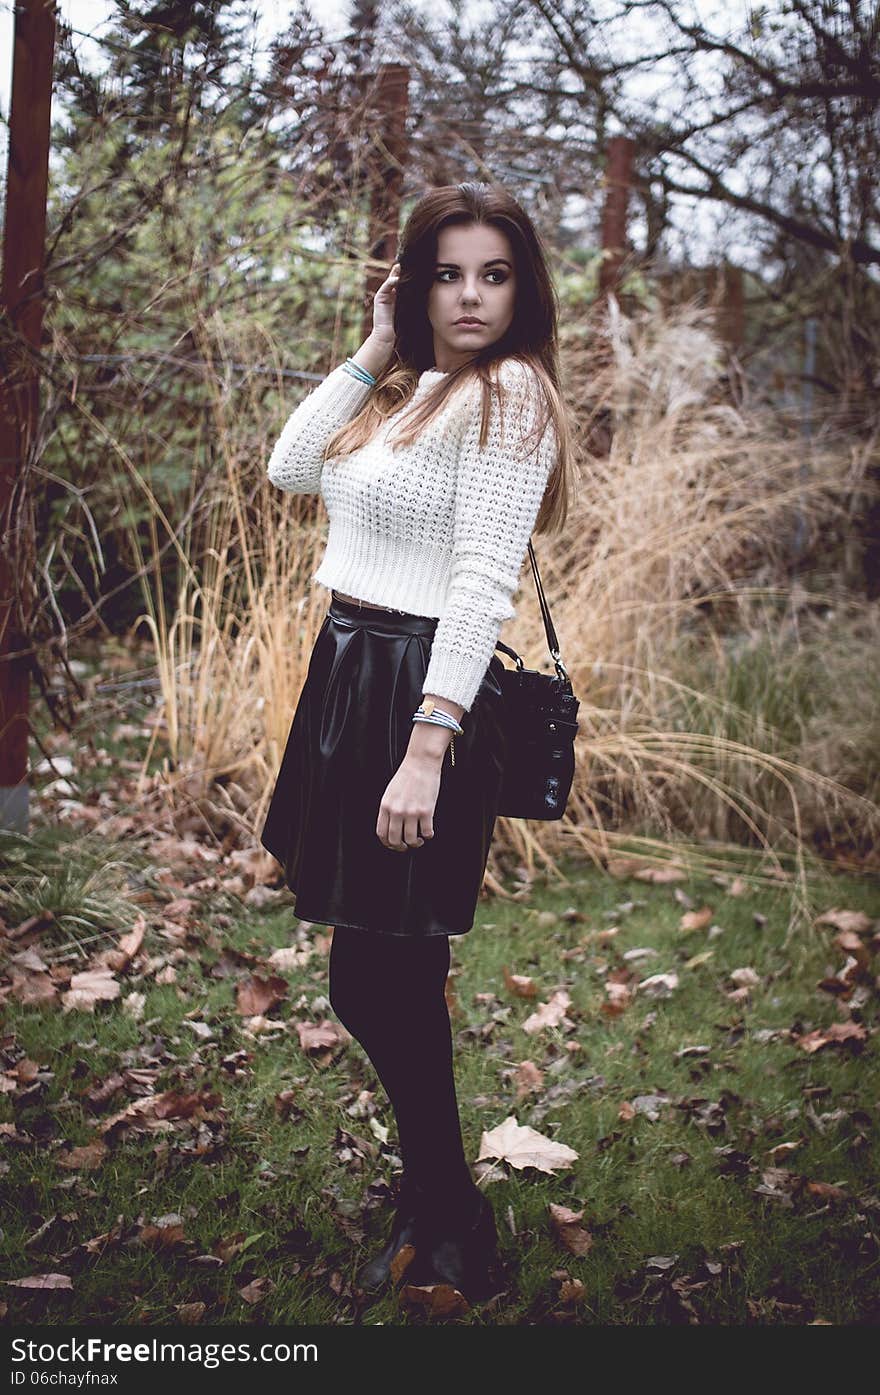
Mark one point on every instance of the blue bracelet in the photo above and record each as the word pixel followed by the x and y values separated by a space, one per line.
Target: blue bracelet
pixel 357 371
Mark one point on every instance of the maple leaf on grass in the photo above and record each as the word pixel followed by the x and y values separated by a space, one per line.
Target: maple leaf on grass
pixel 549 1014
pixel 256 995
pixel 88 988
pixel 316 1036
pixel 522 1146
pixel 838 1032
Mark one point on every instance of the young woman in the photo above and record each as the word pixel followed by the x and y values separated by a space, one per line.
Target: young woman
pixel 438 447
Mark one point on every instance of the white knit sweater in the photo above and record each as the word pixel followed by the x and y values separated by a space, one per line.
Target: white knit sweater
pixel 438 528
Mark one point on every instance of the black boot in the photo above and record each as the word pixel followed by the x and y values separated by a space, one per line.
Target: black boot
pixel 377 1270
pixel 462 1252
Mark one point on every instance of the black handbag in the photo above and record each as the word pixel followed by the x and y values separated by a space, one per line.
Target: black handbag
pixel 540 719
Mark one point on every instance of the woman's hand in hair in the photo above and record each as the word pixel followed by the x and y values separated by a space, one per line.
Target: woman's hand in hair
pixel 383 306
pixel 406 813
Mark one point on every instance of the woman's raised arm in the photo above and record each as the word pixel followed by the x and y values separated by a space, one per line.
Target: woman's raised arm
pixel 298 454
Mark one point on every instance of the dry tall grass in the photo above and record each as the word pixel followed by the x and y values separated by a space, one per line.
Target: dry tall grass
pixel 668 582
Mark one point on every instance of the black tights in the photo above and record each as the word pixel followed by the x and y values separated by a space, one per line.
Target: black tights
pixel 388 990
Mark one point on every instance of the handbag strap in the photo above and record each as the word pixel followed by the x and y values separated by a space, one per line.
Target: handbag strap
pixel 552 641
pixel 549 630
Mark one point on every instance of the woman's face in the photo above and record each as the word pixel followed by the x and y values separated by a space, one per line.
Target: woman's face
pixel 474 276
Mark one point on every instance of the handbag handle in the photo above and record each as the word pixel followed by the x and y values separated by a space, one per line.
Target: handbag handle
pixel 549 630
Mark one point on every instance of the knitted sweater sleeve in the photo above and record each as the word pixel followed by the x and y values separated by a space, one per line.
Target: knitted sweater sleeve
pixel 499 490
pixel 297 456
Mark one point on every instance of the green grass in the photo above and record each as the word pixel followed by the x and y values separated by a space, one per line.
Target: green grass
pixel 297 1193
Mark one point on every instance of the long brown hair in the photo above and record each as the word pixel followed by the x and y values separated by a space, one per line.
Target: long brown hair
pixel 531 335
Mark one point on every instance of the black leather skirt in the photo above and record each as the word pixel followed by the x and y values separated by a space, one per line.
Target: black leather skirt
pixel 349 734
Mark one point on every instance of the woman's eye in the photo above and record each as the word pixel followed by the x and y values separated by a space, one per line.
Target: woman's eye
pixel 503 277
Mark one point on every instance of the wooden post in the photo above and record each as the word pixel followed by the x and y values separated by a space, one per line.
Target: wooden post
pixel 385 134
pixel 723 285
pixel 22 291
pixel 618 181
pixel 734 306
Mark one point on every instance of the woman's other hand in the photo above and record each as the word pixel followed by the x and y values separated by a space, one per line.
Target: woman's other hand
pixel 406 813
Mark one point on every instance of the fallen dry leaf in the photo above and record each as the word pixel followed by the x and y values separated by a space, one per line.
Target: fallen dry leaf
pixel 569 1232
pixel 154 1112
pixel 256 1291
pixel 696 920
pixel 290 956
pixel 122 953
pixel 649 1105
pixel 33 988
pixel 87 1156
pixel 661 875
pixel 521 1146
pixel 439 1300
pixel 745 978
pixel 618 999
pixel 401 1262
pixel 162 1237
pixel 177 1104
pixel 548 1014
pixel 41 1281
pixel 88 988
pixel 782 1150
pixel 827 1191
pixel 572 1291
pixel 26 1070
pixel 529 1078
pixel 317 1036
pixel 625 866
pixel 658 985
pixel 845 980
pixel 519 984
pixel 189 1314
pixel 856 921
pixel 256 995
pixel 856 948
pixel 179 910
pixel 829 1036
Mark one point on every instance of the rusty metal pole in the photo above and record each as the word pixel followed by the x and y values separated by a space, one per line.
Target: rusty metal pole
pixel 22 290
pixel 618 181
pixel 386 113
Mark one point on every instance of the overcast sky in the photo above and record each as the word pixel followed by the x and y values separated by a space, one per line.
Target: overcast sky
pixel 90 17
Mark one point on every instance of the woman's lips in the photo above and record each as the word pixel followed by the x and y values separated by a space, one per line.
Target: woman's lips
pixel 469 324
